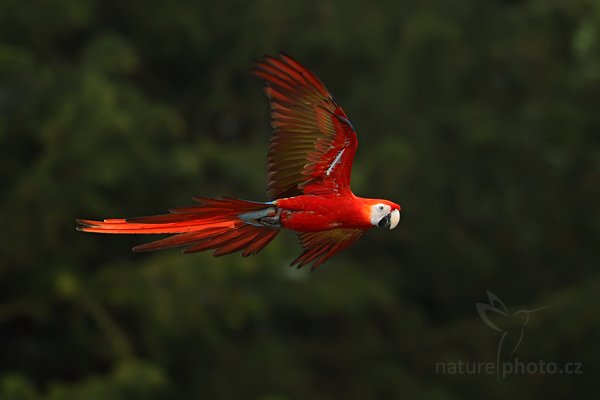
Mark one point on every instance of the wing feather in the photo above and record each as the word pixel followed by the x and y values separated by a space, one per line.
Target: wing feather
pixel 320 246
pixel 309 131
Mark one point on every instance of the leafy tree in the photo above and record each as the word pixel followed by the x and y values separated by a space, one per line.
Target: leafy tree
pixel 478 117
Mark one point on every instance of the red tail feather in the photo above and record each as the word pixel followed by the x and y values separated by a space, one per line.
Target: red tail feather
pixel 214 224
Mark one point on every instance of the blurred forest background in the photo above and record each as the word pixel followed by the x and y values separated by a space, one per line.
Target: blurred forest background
pixel 479 117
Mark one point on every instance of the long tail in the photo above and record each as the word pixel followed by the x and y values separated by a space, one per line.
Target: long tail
pixel 225 225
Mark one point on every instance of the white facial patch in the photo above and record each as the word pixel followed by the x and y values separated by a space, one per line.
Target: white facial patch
pixel 379 211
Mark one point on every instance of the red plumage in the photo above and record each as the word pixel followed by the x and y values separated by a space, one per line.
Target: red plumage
pixel 309 165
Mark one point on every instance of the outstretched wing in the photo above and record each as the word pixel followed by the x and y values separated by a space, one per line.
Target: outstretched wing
pixel 319 246
pixel 313 143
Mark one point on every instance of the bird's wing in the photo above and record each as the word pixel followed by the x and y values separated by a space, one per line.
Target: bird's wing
pixel 313 143
pixel 319 246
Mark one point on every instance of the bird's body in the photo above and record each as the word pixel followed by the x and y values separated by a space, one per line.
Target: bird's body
pixel 309 166
pixel 309 213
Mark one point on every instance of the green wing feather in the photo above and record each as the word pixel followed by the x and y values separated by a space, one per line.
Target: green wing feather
pixel 313 143
pixel 320 246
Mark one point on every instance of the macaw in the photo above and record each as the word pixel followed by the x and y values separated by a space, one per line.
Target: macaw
pixel 309 164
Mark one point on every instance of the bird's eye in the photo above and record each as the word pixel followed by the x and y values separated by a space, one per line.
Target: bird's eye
pixel 380 208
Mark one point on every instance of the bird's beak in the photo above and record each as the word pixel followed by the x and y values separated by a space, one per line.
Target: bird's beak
pixel 390 220
pixel 395 218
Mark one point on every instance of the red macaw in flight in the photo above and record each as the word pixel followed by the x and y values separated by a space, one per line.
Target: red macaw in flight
pixel 309 164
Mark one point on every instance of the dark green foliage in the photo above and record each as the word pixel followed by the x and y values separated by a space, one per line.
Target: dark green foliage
pixel 479 117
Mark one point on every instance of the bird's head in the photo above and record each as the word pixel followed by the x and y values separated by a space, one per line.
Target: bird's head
pixel 384 214
pixel 523 315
